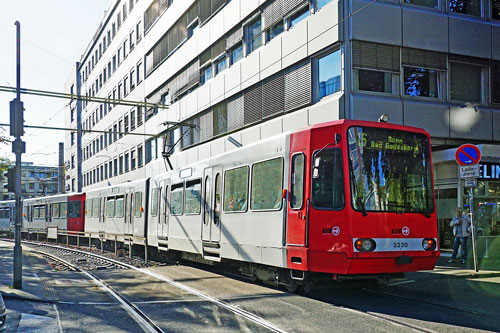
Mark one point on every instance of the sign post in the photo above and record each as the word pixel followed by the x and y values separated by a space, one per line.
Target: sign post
pixel 468 157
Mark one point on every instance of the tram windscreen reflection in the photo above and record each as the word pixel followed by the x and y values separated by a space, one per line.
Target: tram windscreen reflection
pixel 390 171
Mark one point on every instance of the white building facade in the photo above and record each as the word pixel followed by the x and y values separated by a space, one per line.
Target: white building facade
pixel 251 69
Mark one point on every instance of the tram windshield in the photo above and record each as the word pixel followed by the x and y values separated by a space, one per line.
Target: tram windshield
pixel 390 171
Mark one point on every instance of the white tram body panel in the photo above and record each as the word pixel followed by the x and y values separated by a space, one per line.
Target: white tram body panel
pixel 249 233
pixel 7 214
pixel 118 210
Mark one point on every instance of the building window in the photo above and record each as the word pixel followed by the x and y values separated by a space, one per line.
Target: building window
pixel 120 165
pixel 132 120
pixel 465 82
pixel 125 86
pixel 140 156
pixel 72 138
pixel 328 68
pixel 220 65
pixel 139 116
pixel 275 30
pixel 125 53
pixel 138 31
pixel 421 82
pixel 132 159
pixel 192 27
pixel 126 161
pixel 125 122
pixel 139 74
pixel 298 16
pixel 131 40
pixel 253 37
pixel 206 74
pixel 110 166
pixel 120 128
pixel 115 167
pixel 471 7
pixel 371 80
pixel 321 3
pixel 115 132
pixel 132 79
pixel 72 161
pixel 236 54
pixel 425 3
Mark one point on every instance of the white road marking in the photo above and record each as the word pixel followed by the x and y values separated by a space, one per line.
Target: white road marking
pixel 58 319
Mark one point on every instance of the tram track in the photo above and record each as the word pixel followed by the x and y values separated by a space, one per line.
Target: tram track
pixel 138 315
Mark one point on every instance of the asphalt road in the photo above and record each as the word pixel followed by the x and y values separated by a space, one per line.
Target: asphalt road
pixel 422 301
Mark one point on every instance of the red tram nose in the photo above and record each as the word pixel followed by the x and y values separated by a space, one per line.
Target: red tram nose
pixel 365 245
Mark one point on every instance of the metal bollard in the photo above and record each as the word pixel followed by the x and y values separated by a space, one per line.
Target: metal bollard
pixel 146 253
pixel 78 240
pixel 115 247
pixel 102 246
pixel 90 242
pixel 129 249
pixel 67 240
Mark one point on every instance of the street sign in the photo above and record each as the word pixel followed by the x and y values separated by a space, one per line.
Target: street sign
pixel 469 171
pixel 472 182
pixel 467 155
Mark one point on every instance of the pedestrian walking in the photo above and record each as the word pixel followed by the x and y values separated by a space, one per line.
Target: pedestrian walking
pixel 461 230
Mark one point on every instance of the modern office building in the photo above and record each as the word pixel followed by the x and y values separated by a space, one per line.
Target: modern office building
pixel 36 180
pixel 250 69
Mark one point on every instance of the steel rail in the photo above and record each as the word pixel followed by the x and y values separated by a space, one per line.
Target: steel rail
pixel 139 317
pixel 238 311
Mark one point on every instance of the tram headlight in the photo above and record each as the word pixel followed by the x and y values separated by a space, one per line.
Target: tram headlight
pixel 364 245
pixel 429 244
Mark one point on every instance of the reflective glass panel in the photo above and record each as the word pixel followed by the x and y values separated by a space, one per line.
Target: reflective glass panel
pixel 390 170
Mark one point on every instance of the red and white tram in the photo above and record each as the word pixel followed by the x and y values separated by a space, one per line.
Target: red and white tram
pixel 339 199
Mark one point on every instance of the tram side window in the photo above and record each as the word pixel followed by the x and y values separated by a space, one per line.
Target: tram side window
pixel 55 210
pixel 119 206
pixel 95 207
pixel 88 204
pixel 110 207
pixel 42 212
pixel 267 185
pixel 235 190
pixel 177 199
pixel 297 182
pixel 328 182
pixel 193 197
pixel 138 204
pixel 154 202
pixel 63 210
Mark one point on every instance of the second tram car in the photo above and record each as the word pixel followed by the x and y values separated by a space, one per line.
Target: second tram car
pixel 63 210
pixel 7 215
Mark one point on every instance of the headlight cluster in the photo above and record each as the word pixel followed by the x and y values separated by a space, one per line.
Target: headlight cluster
pixel 365 245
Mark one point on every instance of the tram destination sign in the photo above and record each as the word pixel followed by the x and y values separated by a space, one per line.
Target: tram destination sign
pixel 469 171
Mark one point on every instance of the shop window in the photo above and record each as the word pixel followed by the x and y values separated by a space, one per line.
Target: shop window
pixel 235 190
pixel 267 185
pixel 471 7
pixel 495 9
pixel 425 3
pixel 421 82
pixel 328 74
pixel 465 82
pixel 253 37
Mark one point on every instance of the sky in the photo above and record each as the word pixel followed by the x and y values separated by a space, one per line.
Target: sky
pixel 54 35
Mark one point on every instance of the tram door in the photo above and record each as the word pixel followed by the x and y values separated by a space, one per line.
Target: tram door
pixel 129 217
pixel 212 196
pixel 298 203
pixel 163 223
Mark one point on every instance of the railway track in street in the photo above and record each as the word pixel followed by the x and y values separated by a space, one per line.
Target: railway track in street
pixel 140 317
pixel 87 263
